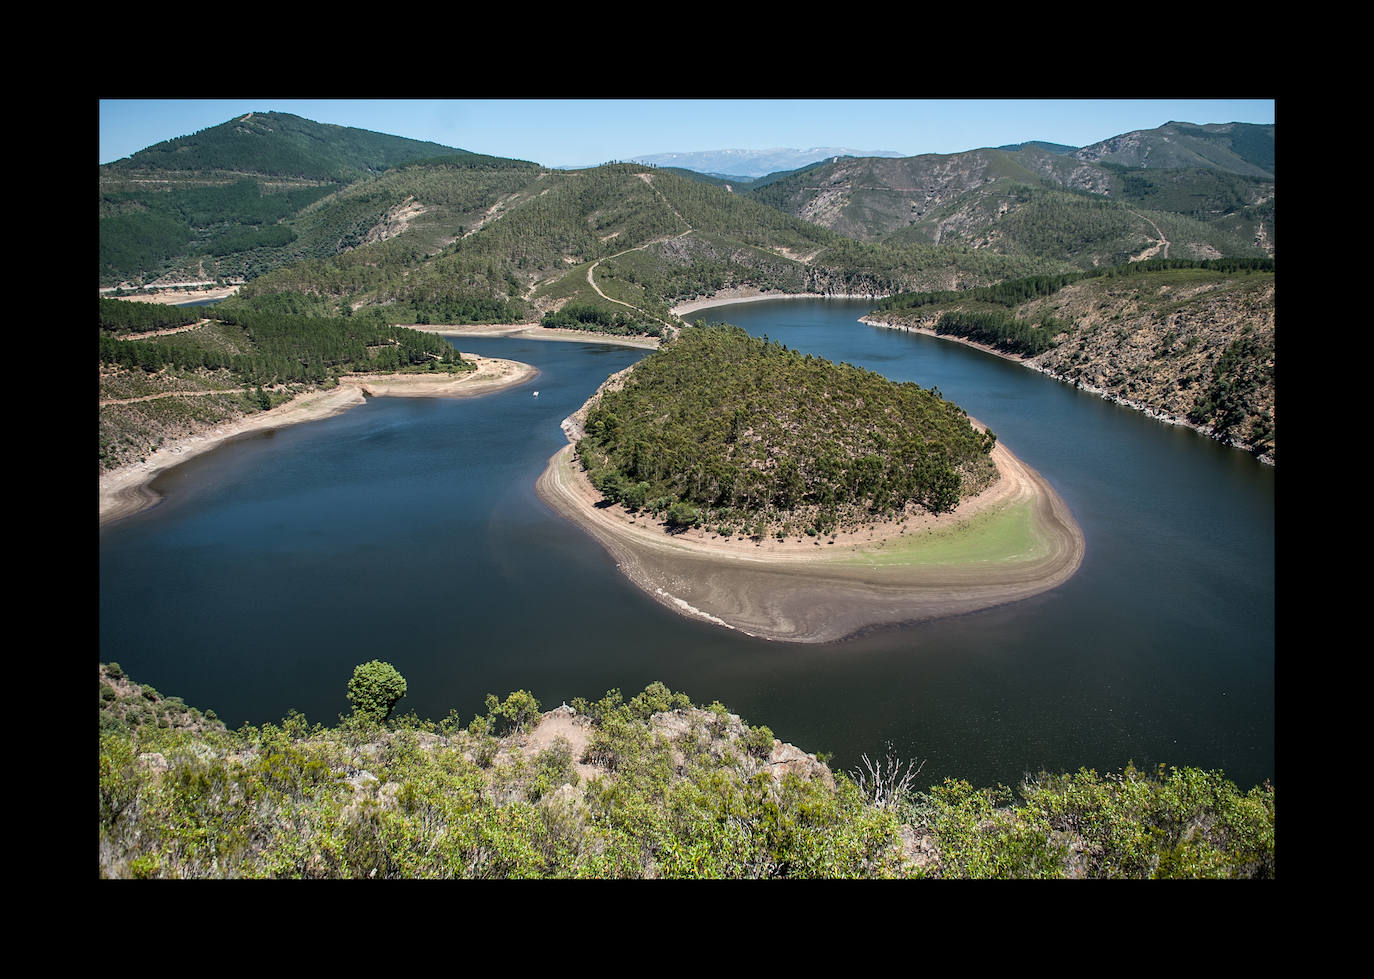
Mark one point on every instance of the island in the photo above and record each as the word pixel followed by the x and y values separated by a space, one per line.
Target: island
pixel 779 494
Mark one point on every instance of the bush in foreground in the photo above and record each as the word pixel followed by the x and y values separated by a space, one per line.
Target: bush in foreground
pixel 652 787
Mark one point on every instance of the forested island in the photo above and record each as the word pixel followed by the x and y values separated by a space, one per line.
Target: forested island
pixel 792 498
pixel 727 431
pixel 652 786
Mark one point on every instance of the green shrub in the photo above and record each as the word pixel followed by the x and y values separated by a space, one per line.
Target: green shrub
pixel 375 688
pixel 683 515
pixel 758 741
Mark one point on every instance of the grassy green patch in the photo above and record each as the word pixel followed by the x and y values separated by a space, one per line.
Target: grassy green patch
pixel 1004 534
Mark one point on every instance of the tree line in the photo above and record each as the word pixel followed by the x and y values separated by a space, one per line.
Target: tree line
pixel 121 316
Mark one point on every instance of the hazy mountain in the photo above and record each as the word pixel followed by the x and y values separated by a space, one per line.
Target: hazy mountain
pixel 752 163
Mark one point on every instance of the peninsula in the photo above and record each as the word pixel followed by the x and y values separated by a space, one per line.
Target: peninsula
pixel 126 490
pixel 174 385
pixel 748 485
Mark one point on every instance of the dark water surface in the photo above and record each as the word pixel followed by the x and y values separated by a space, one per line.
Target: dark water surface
pixel 408 530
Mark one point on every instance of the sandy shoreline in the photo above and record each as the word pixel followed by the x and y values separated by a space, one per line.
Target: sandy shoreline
pixel 811 590
pixel 531 331
pixel 126 491
pixel 746 294
pixel 174 297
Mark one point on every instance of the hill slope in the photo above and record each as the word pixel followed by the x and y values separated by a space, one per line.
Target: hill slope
pixel 1234 147
pixel 1093 208
pixel 1194 345
pixel 281 145
pixel 652 787
pixel 221 204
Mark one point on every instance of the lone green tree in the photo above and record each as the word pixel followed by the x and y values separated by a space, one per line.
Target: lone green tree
pixel 375 689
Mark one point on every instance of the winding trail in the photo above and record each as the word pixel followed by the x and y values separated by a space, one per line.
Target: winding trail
pixel 170 394
pixel 1163 242
pixel 648 179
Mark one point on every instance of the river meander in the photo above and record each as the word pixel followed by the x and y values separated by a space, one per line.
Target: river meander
pixel 408 530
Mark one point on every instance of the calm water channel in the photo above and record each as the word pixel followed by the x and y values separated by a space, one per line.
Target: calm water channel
pixel 408 530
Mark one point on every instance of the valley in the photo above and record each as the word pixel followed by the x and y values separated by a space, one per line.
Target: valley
pixel 845 446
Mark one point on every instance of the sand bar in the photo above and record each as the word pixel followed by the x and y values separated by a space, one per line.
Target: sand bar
pixel 126 490
pixel 1015 540
pixel 532 331
pixel 748 294
pixel 176 297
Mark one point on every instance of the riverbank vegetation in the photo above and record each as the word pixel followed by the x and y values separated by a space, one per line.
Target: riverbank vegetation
pixel 598 319
pixel 123 316
pixel 239 362
pixel 722 429
pixel 1190 340
pixel 652 786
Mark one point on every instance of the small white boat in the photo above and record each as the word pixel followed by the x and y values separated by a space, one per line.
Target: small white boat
pixel 536 394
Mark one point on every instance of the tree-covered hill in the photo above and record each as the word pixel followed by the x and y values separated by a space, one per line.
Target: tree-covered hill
pixel 654 238
pixel 282 145
pixel 653 786
pixel 719 428
pixel 1232 147
pixel 235 200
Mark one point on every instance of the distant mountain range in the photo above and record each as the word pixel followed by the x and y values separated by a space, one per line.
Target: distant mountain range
pixel 266 190
pixel 752 163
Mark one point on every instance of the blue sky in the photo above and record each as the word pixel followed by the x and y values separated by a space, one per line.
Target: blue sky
pixel 583 132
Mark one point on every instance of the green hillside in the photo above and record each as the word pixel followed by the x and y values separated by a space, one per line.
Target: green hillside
pixel 282 145
pixel 1092 208
pixel 1234 147
pixel 236 363
pixel 236 200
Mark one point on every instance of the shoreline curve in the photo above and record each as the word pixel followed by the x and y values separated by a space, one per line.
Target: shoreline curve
pixel 813 593
pixel 127 490
pixel 1148 411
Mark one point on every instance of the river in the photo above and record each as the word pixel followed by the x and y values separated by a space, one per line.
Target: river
pixel 408 530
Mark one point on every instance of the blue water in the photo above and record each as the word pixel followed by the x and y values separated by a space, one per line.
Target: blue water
pixel 408 530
